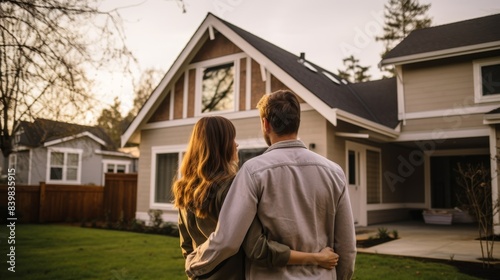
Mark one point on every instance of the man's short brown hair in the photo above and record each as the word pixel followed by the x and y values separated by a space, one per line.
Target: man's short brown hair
pixel 282 110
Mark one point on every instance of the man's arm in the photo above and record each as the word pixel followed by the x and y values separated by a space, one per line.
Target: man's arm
pixel 237 213
pixel 345 237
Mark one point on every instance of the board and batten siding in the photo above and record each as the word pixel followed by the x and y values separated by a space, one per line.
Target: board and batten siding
pixel 439 87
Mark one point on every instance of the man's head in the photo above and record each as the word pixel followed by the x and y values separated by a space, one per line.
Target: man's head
pixel 280 111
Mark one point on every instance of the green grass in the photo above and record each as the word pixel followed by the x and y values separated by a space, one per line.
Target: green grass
pixel 65 252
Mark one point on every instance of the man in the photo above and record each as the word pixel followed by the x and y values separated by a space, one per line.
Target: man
pixel 300 197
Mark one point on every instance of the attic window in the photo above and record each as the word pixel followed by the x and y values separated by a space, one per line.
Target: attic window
pixel 331 77
pixel 487 80
pixel 218 88
pixel 309 66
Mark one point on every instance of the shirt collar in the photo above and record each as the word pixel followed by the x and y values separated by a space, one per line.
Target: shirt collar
pixel 286 144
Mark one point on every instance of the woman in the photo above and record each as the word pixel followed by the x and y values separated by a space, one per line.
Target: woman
pixel 206 173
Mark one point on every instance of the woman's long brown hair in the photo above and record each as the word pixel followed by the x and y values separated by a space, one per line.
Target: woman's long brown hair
pixel 209 162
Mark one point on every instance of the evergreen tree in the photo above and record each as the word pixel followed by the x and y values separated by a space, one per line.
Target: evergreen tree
pixel 353 71
pixel 111 121
pixel 401 18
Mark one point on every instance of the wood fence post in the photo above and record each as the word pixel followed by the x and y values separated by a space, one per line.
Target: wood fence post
pixel 41 210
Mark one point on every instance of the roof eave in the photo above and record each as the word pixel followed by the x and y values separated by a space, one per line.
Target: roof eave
pixel 407 59
pixel 370 125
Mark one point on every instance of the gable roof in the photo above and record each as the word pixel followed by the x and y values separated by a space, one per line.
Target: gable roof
pixel 43 132
pixel 458 38
pixel 331 97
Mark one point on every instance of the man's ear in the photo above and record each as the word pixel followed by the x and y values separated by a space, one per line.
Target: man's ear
pixel 265 125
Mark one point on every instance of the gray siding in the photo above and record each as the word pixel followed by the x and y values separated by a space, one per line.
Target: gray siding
pixel 438 87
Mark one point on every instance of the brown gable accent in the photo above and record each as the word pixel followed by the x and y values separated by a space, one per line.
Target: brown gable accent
pixel 243 81
pixel 178 97
pixel 258 86
pixel 219 46
pixel 191 92
pixel 162 112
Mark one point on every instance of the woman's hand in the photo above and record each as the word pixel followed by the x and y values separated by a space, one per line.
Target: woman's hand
pixel 327 258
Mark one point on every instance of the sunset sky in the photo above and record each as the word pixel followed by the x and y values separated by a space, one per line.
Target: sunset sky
pixel 326 30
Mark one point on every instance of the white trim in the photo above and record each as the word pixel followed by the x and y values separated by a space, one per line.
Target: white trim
pixel 211 34
pixel 352 135
pixel 65 151
pixel 401 94
pixel 478 80
pixel 171 105
pixel 217 61
pixel 268 81
pixel 434 55
pixel 113 153
pixel 185 94
pixel 263 74
pixel 248 84
pixel 456 111
pixel 494 175
pixel 233 116
pixel 361 122
pixel 439 134
pixel 79 135
pixel 172 149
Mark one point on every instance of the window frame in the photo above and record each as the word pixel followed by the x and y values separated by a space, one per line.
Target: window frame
pixel 65 152
pixel 155 150
pixel 201 66
pixel 115 163
pixel 478 85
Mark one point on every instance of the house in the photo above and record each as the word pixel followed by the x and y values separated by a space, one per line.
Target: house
pixel 64 153
pixel 448 80
pixel 364 127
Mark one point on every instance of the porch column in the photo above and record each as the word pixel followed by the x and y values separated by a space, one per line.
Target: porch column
pixel 495 163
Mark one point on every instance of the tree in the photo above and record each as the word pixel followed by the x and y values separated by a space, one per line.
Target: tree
pixel 111 121
pixel 147 83
pixel 47 48
pixel 475 181
pixel 353 71
pixel 401 18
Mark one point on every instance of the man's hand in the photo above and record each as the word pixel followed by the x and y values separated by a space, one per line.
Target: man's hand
pixel 327 258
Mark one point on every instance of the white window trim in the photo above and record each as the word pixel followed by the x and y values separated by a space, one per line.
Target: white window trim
pixel 12 161
pixel 105 162
pixel 65 151
pixel 179 149
pixel 478 85
pixel 201 66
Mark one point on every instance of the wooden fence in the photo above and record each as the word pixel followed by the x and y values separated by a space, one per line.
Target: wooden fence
pixel 74 203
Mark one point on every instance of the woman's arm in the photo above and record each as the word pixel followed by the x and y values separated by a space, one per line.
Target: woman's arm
pixel 326 258
pixel 273 254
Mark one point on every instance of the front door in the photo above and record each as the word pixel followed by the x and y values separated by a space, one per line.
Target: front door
pixel 355 154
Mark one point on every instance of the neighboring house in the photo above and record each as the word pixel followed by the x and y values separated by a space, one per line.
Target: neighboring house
pixel 449 104
pixel 363 127
pixel 63 153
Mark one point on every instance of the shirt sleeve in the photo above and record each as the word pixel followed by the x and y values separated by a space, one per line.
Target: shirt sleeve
pixel 262 251
pixel 345 237
pixel 237 213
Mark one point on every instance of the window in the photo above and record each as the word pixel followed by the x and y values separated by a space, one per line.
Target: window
pixel 487 80
pixel 246 154
pixel 115 166
pixel 216 84
pixel 218 88
pixel 352 170
pixel 164 165
pixel 64 165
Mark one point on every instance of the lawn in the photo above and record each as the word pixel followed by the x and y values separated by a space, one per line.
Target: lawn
pixel 66 252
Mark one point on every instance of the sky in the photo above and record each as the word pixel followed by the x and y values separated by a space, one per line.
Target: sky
pixel 327 31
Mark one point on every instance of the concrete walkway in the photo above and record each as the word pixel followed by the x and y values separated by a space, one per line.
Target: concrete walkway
pixel 417 239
